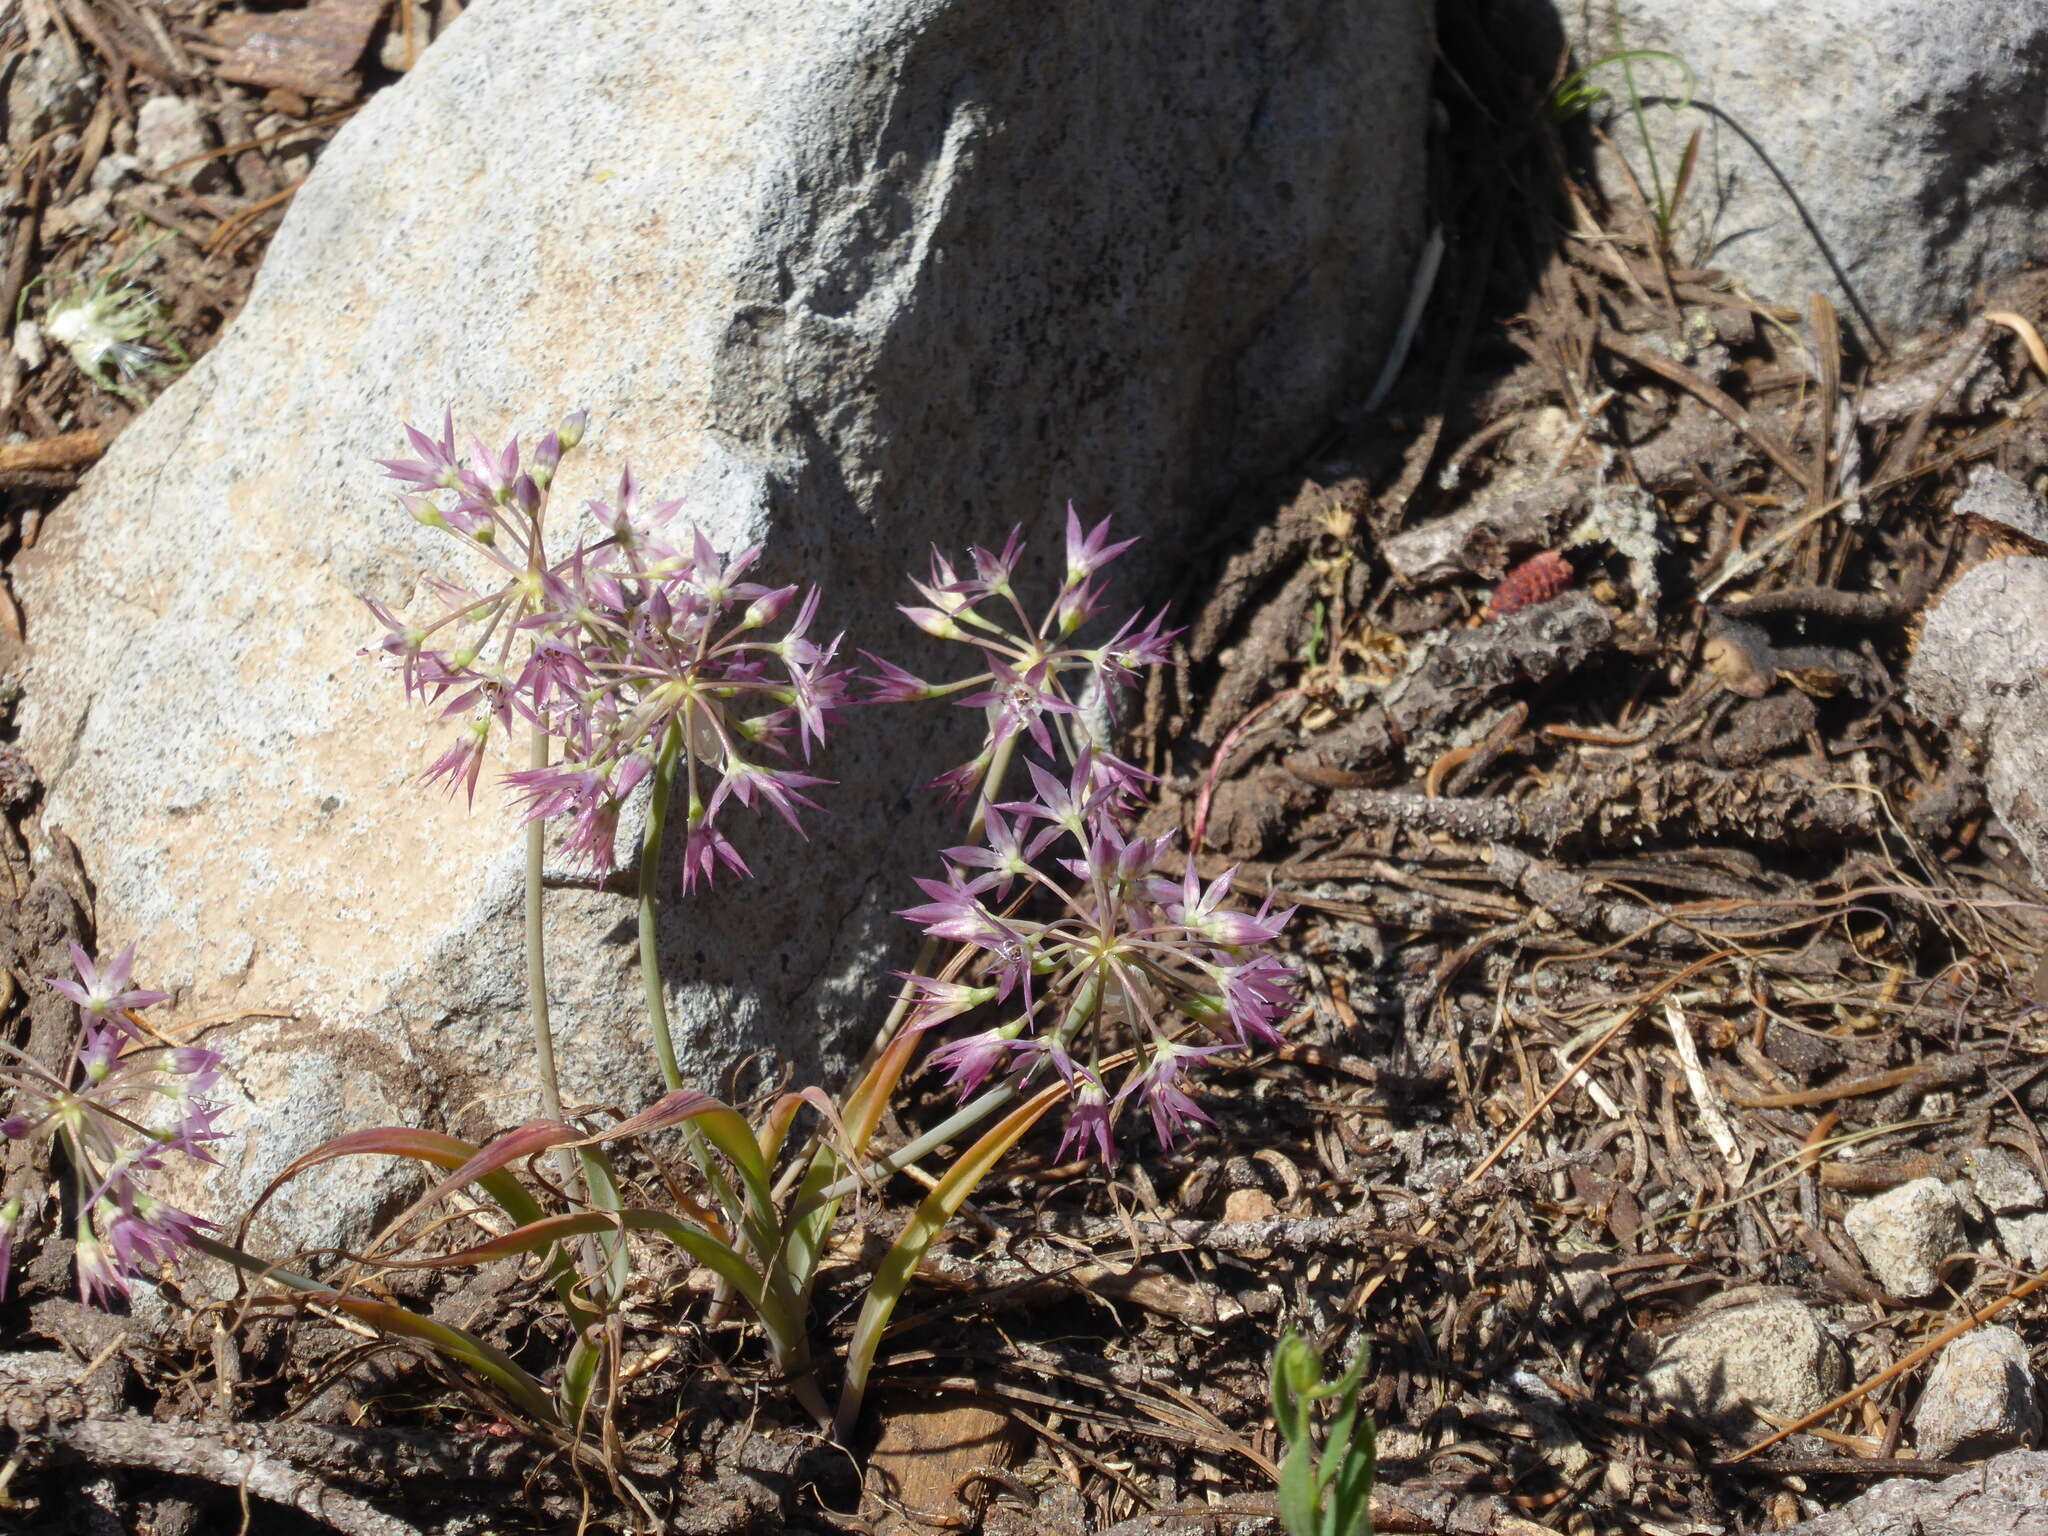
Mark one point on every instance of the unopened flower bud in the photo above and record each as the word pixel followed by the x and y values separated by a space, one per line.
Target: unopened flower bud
pixel 1074 610
pixel 1297 1366
pixel 767 608
pixel 526 495
pixel 424 511
pixel 570 433
pixel 545 459
pixel 933 623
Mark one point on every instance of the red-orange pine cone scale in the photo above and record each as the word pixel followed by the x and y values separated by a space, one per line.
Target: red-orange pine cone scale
pixel 1536 580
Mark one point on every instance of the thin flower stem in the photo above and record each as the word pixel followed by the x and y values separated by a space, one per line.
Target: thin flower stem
pixel 651 844
pixel 962 1119
pixel 992 787
pixel 567 1164
pixel 650 899
pixel 536 950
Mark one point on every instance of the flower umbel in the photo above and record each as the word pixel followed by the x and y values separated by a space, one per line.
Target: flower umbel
pixel 1030 673
pixel 640 652
pixel 1113 958
pixel 1112 964
pixel 128 1105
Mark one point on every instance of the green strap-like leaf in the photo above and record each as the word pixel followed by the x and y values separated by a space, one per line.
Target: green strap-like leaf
pixel 537 1236
pixel 1350 1497
pixel 938 1207
pixel 861 1115
pixel 493 1364
pixel 1298 1490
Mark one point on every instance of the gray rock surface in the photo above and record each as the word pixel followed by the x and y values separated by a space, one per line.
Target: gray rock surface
pixel 1905 1233
pixel 1979 672
pixel 2007 1496
pixel 1979 1399
pixel 2004 1180
pixel 169 131
pixel 1770 1353
pixel 846 275
pixel 2025 1239
pixel 2000 498
pixel 1911 130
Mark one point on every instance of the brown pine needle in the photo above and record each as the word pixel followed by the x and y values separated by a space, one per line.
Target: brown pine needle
pixel 1863 1389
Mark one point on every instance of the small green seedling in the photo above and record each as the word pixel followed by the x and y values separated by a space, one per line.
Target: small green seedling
pixel 1578 94
pixel 1330 1495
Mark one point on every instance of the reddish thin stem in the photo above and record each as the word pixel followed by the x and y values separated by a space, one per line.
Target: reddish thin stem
pixel 1223 751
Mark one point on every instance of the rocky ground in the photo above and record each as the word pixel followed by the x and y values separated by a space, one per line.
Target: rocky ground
pixel 1665 1112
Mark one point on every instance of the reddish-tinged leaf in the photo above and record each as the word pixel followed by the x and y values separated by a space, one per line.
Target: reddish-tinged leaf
pixel 403 1141
pixel 726 1129
pixel 865 1104
pixel 862 1114
pixel 529 1140
pixel 723 1126
pixel 538 1236
pixel 672 1108
pixel 775 1129
pixel 502 1187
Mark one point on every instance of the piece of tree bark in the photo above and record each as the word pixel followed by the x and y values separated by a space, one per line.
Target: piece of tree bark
pixel 133 1441
pixel 1395 1509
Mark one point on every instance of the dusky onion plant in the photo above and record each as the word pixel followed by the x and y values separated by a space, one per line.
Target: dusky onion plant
pixel 1060 968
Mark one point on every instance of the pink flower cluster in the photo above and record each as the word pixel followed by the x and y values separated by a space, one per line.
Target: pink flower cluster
pixel 129 1105
pixel 1115 956
pixel 639 652
pixel 1113 961
pixel 1028 687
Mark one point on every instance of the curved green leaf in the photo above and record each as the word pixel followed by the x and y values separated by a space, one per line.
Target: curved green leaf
pixel 862 1114
pixel 405 1141
pixel 1577 92
pixel 727 1130
pixel 937 1208
pixel 537 1237
pixel 493 1364
pixel 501 1186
